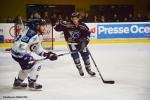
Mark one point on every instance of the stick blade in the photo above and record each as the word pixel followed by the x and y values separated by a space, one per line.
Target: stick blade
pixel 109 82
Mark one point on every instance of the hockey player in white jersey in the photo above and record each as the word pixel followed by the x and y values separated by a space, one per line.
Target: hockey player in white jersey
pixel 21 52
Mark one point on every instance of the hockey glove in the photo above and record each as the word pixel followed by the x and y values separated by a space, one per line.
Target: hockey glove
pixel 83 44
pixel 50 55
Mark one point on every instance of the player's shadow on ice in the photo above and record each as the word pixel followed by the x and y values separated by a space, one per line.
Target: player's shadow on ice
pixel 9 89
pixel 5 90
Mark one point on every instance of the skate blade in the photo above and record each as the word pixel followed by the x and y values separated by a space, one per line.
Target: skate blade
pixel 81 75
pixel 19 87
pixel 92 75
pixel 34 89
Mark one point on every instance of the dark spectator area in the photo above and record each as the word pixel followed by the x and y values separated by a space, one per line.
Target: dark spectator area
pixel 96 13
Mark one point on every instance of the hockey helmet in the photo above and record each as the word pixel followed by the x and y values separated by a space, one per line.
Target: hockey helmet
pixel 75 14
pixel 33 23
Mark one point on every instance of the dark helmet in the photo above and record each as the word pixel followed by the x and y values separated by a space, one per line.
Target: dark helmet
pixel 38 22
pixel 75 14
pixel 33 23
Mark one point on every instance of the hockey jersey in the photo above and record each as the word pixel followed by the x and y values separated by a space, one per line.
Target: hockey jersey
pixel 73 33
pixel 27 43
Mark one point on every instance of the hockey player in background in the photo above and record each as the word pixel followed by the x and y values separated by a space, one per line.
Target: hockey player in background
pixel 21 52
pixel 77 36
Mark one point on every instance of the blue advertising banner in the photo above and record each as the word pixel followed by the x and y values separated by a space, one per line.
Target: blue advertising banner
pixel 123 30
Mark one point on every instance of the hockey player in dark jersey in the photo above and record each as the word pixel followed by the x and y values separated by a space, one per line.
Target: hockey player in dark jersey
pixel 24 44
pixel 77 36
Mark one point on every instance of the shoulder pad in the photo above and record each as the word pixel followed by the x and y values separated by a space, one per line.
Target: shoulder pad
pixel 81 23
pixel 28 36
pixel 31 33
pixel 83 26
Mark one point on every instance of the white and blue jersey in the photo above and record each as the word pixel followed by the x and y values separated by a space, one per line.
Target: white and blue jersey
pixel 27 43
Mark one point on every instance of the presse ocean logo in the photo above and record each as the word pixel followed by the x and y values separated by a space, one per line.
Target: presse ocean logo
pixel 123 31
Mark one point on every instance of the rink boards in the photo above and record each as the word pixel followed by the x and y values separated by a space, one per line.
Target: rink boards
pixel 124 30
pixel 101 33
pixel 4 45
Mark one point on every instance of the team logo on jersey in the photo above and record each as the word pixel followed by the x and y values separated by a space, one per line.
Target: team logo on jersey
pixel 25 39
pixel 74 34
pixel 22 46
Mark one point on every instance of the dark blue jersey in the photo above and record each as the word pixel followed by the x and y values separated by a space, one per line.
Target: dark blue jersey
pixel 73 33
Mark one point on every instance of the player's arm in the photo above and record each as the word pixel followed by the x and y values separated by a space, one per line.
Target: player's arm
pixel 85 30
pixel 38 49
pixel 60 25
pixel 84 41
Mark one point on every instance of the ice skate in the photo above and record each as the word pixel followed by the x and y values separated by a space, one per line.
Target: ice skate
pixel 33 85
pixel 90 72
pixel 18 84
pixel 79 67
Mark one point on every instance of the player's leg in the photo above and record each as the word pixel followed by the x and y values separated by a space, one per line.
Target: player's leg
pixel 34 76
pixel 18 82
pixel 25 70
pixel 85 57
pixel 76 59
pixel 23 73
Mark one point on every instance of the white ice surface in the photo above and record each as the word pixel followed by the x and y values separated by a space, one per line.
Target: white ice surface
pixel 127 64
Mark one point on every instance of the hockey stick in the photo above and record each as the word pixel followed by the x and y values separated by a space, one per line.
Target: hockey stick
pixel 47 58
pixel 104 81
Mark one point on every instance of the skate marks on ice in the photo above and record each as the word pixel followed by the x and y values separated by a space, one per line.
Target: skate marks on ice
pixel 127 64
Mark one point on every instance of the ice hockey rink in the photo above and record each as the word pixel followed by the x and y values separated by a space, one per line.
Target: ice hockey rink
pixel 127 64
